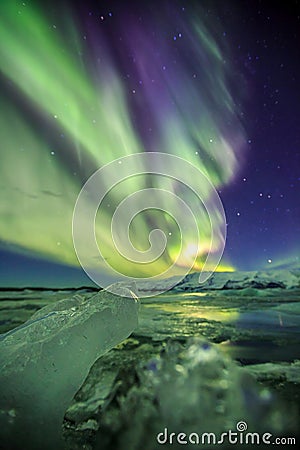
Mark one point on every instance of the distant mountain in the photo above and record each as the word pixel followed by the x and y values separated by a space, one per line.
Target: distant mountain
pixel 269 279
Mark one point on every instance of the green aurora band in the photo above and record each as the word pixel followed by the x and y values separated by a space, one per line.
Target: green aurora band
pixel 68 109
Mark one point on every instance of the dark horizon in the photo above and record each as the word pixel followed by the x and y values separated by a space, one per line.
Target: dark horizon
pixel 20 272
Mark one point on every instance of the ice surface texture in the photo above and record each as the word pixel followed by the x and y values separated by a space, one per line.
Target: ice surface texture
pixel 194 388
pixel 45 361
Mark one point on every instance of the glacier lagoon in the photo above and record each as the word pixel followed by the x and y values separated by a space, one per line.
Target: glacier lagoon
pixel 202 359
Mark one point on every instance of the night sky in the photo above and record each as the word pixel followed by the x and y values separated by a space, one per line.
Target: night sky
pixel 214 82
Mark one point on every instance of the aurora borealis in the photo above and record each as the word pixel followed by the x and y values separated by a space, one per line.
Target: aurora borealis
pixel 85 85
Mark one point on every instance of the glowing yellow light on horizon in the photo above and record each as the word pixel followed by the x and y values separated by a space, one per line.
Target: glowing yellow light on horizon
pixel 192 250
